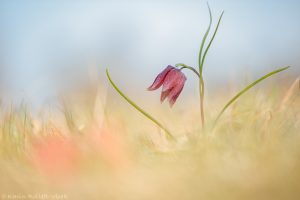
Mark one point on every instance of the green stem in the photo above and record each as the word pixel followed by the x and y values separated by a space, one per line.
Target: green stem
pixel 184 66
pixel 201 80
pixel 139 108
pixel 245 90
pixel 201 87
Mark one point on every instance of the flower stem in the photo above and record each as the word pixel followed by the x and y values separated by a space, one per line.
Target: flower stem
pixel 184 66
pixel 201 87
pixel 201 63
pixel 139 108
pixel 201 80
pixel 245 90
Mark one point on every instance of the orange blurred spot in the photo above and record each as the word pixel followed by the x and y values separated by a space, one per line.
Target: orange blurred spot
pixel 55 156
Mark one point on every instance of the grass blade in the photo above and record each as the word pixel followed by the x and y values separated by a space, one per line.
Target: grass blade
pixel 245 90
pixel 204 39
pixel 138 108
pixel 210 42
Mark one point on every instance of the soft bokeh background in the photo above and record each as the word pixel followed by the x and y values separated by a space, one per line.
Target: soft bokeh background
pixel 85 142
pixel 48 47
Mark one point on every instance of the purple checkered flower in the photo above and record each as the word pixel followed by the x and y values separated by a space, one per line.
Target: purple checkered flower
pixel 172 80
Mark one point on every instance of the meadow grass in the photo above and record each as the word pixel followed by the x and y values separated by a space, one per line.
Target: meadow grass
pixel 95 146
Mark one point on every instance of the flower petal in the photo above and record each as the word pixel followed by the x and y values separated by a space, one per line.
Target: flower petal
pixel 175 92
pixel 159 80
pixel 173 96
pixel 164 95
pixel 171 79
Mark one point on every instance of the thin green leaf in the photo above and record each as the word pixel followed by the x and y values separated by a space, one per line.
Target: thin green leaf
pixel 210 42
pixel 138 108
pixel 204 38
pixel 245 90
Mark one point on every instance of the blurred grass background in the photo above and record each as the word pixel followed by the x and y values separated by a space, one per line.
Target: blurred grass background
pixel 95 146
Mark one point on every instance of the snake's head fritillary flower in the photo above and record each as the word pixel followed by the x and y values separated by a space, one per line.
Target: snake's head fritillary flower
pixel 172 80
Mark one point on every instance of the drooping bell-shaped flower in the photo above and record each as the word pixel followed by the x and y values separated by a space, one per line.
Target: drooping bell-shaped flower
pixel 172 80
